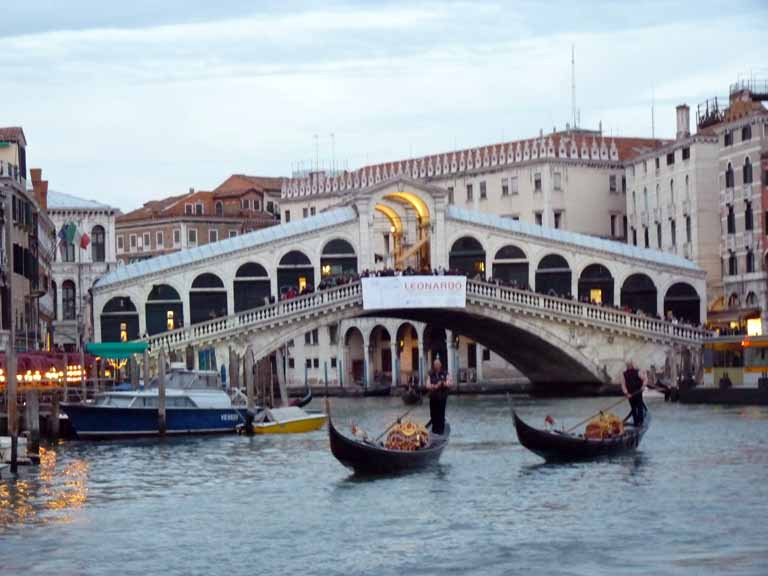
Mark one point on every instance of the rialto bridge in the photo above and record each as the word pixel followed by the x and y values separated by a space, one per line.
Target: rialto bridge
pixel 570 308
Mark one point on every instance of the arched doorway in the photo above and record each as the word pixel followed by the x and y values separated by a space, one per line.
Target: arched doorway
pixel 119 320
pixel 381 355
pixel 638 293
pixel 683 302
pixel 596 285
pixel 251 286
pixel 408 351
pixel 467 256
pixel 338 259
pixel 164 309
pixel 354 357
pixel 553 276
pixel 510 265
pixel 295 271
pixel 411 234
pixel 207 298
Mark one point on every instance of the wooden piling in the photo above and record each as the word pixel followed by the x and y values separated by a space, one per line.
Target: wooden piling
pixel 33 421
pixel 161 393
pixel 145 369
pixel 53 428
pixel 251 404
pixel 134 372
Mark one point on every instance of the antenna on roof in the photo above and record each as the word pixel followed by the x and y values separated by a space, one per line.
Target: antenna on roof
pixel 573 85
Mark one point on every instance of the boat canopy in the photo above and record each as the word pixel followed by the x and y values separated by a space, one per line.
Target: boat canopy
pixel 116 350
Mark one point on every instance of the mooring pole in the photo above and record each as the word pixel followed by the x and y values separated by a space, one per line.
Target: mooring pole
pixel 10 350
pixel 33 420
pixel 161 392
pixel 251 404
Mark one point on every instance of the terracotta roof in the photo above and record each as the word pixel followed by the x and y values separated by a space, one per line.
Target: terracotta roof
pixel 239 184
pixel 13 134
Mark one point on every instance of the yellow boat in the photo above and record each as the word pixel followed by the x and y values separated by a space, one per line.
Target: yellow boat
pixel 291 420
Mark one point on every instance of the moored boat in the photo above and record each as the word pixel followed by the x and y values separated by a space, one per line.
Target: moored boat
pixel 367 457
pixel 303 401
pixel 553 445
pixel 411 396
pixel 384 390
pixel 290 420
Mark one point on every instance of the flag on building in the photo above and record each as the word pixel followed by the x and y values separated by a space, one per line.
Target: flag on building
pixel 84 240
pixel 71 232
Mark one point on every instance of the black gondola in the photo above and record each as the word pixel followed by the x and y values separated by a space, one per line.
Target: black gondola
pixel 412 396
pixel 303 401
pixel 366 457
pixel 377 391
pixel 556 446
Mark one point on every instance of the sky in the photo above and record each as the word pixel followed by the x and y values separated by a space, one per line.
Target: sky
pixel 125 102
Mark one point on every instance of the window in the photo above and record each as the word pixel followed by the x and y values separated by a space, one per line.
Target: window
pixel 98 246
pixel 287 216
pixel 192 236
pixel 645 199
pixel 120 244
pixel 748 219
pixel 245 204
pixel 673 232
pixel 634 236
pixel 558 220
pixel 291 363
pixel 731 221
pixel 308 363
pixel 672 191
pixel 686 153
pixel 658 162
pixel 159 240
pixel 647 235
pixel 470 193
pixel 271 207
pixel 728 138
pixel 613 225
pixel 537 182
pixel 746 133
pixel 670 159
pixel 483 191
pixel 147 241
pixel 305 212
pixel 316 362
pixel 311 210
pixel 729 176
pixel 747 171
pixel 308 338
pixel 645 166
pixel 199 209
pixel 486 355
pixel 504 187
pixel 765 175
pixel 232 233
pixel 634 201
pixel 733 264
pixel 213 235
pixel 450 194
pixel 132 242
pixel 658 235
pixel 176 236
pixel 612 184
pixel 513 188
pixel 557 181
pixel 257 205
pixel 188 209
pixel 750 261
pixel 687 228
pixel 538 217
pixel 333 362
pixel 170 320
pixel 219 208
pixel 333 334
pixel 623 184
pixel 68 299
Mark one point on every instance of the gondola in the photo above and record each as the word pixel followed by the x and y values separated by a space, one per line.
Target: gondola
pixel 555 446
pixel 366 457
pixel 303 401
pixel 377 391
pixel 411 396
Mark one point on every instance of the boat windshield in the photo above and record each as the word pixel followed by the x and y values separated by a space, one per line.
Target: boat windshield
pixel 170 402
pixel 113 400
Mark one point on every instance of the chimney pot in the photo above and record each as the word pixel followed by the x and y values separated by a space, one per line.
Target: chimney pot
pixel 191 190
pixel 683 121
pixel 35 174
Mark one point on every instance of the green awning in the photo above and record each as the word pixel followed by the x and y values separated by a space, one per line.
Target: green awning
pixel 116 350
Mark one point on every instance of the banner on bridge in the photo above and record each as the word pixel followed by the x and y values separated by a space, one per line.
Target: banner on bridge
pixel 386 292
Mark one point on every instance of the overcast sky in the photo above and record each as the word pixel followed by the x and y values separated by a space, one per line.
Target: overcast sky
pixel 128 101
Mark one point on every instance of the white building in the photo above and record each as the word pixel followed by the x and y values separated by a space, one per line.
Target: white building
pixel 75 269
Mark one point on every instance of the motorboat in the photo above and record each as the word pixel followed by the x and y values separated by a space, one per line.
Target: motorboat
pixel 288 420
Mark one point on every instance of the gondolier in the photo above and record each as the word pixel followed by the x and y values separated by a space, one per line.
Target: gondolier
pixel 633 389
pixel 437 387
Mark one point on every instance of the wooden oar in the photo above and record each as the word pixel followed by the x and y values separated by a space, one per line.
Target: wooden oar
pixel 393 423
pixel 572 428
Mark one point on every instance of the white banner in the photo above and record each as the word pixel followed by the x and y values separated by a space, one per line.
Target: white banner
pixel 386 292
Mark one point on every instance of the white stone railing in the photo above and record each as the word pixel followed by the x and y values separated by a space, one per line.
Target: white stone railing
pixel 478 292
pixel 592 313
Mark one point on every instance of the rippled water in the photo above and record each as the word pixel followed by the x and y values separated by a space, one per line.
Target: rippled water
pixel 694 500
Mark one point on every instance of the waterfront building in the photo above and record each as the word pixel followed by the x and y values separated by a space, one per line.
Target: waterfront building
pixel 239 205
pixel 78 263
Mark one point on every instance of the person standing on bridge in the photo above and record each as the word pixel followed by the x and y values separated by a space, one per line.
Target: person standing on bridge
pixel 633 389
pixel 437 387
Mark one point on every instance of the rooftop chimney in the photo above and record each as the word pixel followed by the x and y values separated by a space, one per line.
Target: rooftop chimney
pixel 35 174
pixel 683 121
pixel 40 187
pixel 191 190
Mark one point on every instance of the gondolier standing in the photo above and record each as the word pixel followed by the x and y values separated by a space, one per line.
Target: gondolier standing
pixel 437 387
pixel 633 389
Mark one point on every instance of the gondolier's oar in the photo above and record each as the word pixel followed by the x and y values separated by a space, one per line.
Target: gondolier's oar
pixel 572 428
pixel 393 423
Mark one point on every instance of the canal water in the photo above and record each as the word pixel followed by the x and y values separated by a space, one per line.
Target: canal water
pixel 693 500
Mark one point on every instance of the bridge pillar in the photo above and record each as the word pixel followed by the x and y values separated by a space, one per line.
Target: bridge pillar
pixel 394 353
pixel 367 365
pixel 341 365
pixel 479 356
pixel 230 298
pixel 660 303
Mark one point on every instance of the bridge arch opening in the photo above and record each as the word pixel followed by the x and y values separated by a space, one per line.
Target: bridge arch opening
pixel 553 276
pixel 354 357
pixel 251 286
pixel 295 271
pixel 639 294
pixel 510 265
pixel 381 340
pixel 119 320
pixel 435 346
pixel 164 309
pixel 683 302
pixel 408 351
pixel 596 285
pixel 467 255
pixel 207 298
pixel 410 240
pixel 338 259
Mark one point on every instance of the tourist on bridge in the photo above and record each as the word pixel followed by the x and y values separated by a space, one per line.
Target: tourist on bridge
pixel 633 389
pixel 437 387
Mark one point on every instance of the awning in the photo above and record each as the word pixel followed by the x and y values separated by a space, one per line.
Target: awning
pixel 728 316
pixel 116 350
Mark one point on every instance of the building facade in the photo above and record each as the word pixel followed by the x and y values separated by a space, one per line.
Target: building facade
pixel 239 205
